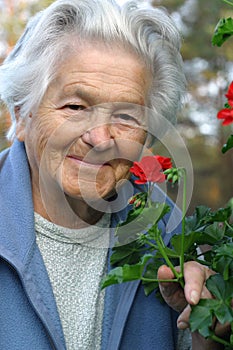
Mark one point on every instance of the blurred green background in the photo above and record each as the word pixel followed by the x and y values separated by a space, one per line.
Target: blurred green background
pixel 209 71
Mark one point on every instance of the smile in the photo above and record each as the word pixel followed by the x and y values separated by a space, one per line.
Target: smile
pixel 84 163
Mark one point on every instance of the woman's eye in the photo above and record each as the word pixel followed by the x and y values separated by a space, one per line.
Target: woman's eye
pixel 124 117
pixel 75 107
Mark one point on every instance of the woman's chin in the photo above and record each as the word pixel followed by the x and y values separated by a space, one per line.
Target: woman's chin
pixel 90 191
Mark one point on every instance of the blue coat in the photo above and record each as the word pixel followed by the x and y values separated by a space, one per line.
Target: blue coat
pixel 29 318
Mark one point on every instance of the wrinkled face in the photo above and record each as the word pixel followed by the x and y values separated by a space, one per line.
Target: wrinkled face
pixel 90 124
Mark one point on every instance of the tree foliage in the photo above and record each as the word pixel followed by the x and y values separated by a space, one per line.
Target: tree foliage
pixel 13 18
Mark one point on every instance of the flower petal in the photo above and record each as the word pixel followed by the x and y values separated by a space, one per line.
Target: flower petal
pixel 165 162
pixel 150 169
pixel 229 94
pixel 227 115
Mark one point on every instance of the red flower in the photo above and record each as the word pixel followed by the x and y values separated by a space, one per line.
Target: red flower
pixel 227 115
pixel 165 162
pixel 150 168
pixel 229 95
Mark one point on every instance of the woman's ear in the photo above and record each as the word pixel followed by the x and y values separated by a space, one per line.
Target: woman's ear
pixel 20 125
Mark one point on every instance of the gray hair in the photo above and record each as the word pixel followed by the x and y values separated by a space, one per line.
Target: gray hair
pixel 150 32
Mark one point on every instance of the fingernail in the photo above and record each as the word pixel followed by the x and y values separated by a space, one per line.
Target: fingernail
pixel 194 297
pixel 182 325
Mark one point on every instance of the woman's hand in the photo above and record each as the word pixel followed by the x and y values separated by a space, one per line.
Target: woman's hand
pixel 195 276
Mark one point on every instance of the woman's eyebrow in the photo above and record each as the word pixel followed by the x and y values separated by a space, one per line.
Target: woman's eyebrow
pixel 79 91
pixel 93 97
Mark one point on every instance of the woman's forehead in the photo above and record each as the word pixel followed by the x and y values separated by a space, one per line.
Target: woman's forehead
pixel 95 70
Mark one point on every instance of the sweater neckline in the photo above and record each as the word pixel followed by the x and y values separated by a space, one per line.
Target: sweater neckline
pixel 93 235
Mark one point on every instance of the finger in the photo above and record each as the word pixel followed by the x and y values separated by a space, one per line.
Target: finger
pixel 183 319
pixel 205 294
pixel 167 288
pixel 172 293
pixel 165 273
pixel 195 276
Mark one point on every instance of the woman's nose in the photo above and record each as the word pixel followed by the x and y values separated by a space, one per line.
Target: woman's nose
pixel 99 137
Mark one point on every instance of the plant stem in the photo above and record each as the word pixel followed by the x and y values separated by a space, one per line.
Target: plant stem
pixel 220 340
pixel 202 262
pixel 229 226
pixel 160 244
pixel 228 2
pixel 164 255
pixel 183 220
pixel 149 191
pixel 144 279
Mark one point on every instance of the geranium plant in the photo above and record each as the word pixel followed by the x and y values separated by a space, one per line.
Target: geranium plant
pixel 140 247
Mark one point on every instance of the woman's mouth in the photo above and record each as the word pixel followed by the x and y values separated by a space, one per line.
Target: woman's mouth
pixel 84 162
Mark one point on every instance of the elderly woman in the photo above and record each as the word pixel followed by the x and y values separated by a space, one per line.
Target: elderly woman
pixel 77 85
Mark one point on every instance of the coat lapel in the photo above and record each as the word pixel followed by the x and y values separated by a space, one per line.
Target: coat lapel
pixel 18 242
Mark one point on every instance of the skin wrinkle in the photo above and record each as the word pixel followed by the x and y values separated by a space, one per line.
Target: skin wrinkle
pixel 57 130
pixel 108 76
pixel 123 94
pixel 101 66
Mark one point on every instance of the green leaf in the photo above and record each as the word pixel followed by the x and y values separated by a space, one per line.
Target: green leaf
pixel 221 215
pixel 195 221
pixel 221 289
pixel 202 212
pixel 150 287
pixel 223 265
pixel 171 253
pixel 222 260
pixel 147 217
pixel 224 313
pixel 223 31
pixel 223 292
pixel 133 213
pixel 162 209
pixel 203 218
pixel 201 317
pixel 228 145
pixel 189 244
pixel 126 273
pixel 151 274
pixel 212 234
pixel 127 254
pixel 231 336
